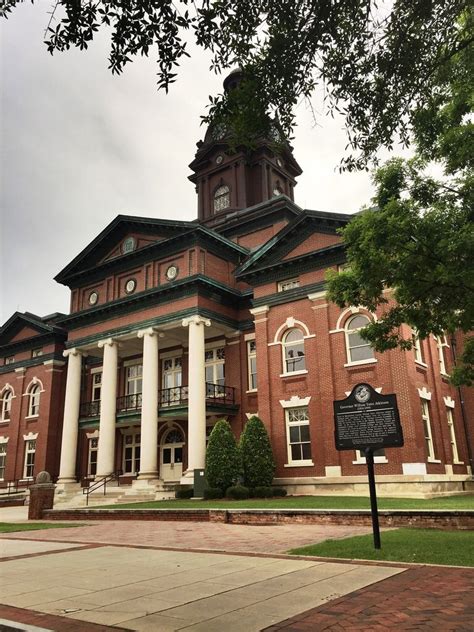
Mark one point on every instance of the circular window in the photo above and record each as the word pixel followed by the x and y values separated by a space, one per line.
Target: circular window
pixel 130 286
pixel 219 159
pixel 171 273
pixel 93 298
pixel 128 245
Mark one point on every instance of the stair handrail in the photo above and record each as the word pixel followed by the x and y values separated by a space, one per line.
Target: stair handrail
pixel 101 482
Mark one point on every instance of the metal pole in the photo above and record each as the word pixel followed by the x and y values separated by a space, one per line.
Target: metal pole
pixel 369 457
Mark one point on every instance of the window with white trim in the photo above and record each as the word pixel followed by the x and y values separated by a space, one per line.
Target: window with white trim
pixel 299 443
pixel 221 198
pixel 452 435
pixel 30 453
pixel 215 366
pixel 425 416
pixel 293 351
pixel 252 364
pixel 3 459
pixel 358 349
pixel 134 379
pixel 171 379
pixel 9 360
pixel 96 386
pixel 92 456
pixel 288 284
pixel 131 453
pixel 34 395
pixel 36 353
pixel 6 405
pixel 418 348
pixel 440 344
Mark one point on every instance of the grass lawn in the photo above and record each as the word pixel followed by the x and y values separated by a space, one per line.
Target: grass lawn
pixel 307 502
pixel 425 546
pixel 10 527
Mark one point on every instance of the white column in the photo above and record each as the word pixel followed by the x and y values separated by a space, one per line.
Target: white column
pixel 108 397
pixel 149 423
pixel 196 393
pixel 67 468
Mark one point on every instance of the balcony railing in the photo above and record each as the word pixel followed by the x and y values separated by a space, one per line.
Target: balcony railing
pixel 176 396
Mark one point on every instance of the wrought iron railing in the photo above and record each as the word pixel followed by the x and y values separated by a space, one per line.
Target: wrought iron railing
pixel 175 396
pixel 101 482
pixel 129 402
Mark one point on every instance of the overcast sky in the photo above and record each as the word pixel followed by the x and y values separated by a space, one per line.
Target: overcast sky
pixel 79 146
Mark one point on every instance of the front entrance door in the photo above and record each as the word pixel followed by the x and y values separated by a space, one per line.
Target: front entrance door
pixel 171 462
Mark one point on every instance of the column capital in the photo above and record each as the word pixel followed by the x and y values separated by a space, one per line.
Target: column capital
pixel 149 331
pixel 107 342
pixel 196 320
pixel 75 351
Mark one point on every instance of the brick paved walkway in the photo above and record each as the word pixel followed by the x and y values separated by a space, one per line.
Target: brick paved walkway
pixel 196 535
pixel 423 598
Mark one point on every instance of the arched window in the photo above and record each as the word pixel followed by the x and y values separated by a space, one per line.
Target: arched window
pixel 293 351
pixel 34 395
pixel 6 405
pixel 358 349
pixel 221 198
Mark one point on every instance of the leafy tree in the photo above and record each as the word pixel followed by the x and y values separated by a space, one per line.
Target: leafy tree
pixel 223 465
pixel 419 240
pixel 257 456
pixel 375 60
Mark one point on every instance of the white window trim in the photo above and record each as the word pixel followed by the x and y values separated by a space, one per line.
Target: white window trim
pixel 33 384
pixel 249 337
pixel 360 362
pixel 295 402
pixel 166 355
pixel 424 393
pixel 361 460
pixel 290 462
pixel 294 280
pixel 215 344
pixel 97 369
pixel 294 373
pixel 431 458
pixel 452 435
pixel 127 432
pixel 441 357
pixel 290 323
pixel 25 454
pixel 6 389
pixel 348 348
pixel 249 374
pixel 284 345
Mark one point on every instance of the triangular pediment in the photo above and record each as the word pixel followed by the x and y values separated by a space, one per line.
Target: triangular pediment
pixel 137 240
pixel 21 327
pixel 312 232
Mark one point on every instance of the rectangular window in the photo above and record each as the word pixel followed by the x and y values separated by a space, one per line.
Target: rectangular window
pixel 425 415
pixel 452 435
pixel 3 458
pixel 9 360
pixel 441 343
pixel 96 386
pixel 131 453
pixel 299 443
pixel 36 353
pixel 172 380
pixel 30 451
pixel 215 372
pixel 252 364
pixel 289 284
pixel 418 348
pixel 134 380
pixel 92 460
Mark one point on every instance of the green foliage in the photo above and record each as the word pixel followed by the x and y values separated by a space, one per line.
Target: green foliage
pixel 210 493
pixel 257 456
pixel 183 494
pixel 223 464
pixel 375 61
pixel 263 492
pixel 237 492
pixel 419 240
pixel 279 492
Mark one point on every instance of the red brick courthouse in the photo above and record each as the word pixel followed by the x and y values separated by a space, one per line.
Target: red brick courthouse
pixel 176 324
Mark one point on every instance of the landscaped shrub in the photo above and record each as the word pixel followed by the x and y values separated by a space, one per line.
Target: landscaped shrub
pixel 257 456
pixel 263 492
pixel 279 491
pixel 184 493
pixel 211 493
pixel 223 465
pixel 237 492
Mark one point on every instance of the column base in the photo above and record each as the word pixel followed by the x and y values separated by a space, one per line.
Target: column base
pixel 187 478
pixel 148 476
pixel 147 483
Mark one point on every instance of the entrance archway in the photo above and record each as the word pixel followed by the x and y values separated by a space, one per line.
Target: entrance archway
pixel 171 454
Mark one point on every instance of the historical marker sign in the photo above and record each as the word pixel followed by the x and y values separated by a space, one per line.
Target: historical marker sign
pixel 367 419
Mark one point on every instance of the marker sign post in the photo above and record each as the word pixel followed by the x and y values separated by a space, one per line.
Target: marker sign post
pixel 368 421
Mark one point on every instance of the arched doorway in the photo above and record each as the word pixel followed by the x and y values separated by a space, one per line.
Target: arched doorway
pixel 171 454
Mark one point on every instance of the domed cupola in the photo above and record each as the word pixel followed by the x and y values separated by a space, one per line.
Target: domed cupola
pixel 230 179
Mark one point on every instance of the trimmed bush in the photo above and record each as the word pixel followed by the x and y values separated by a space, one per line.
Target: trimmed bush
pixel 237 492
pixel 263 492
pixel 257 456
pixel 279 491
pixel 223 465
pixel 184 493
pixel 211 493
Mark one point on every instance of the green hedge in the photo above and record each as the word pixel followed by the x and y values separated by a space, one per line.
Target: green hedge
pixel 237 492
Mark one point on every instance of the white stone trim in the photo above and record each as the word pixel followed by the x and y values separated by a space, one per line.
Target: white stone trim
pixel 361 460
pixel 54 363
pixel 32 383
pixel 249 415
pixel 424 393
pixel 299 464
pixel 20 369
pixel 249 337
pixel 216 344
pixel 258 311
pixel 149 331
pixel 332 470
pixel 134 362
pixel 449 402
pixel 291 323
pixel 93 435
pixel 295 401
pixel 351 311
pixel 377 390
pixel 30 436
pixel 361 362
pixel 317 295
pixel 196 320
pixel 7 387
pixel 414 469
pixel 295 373
pixel 97 369
pixel 177 353
pixel 74 351
pixel 4 439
